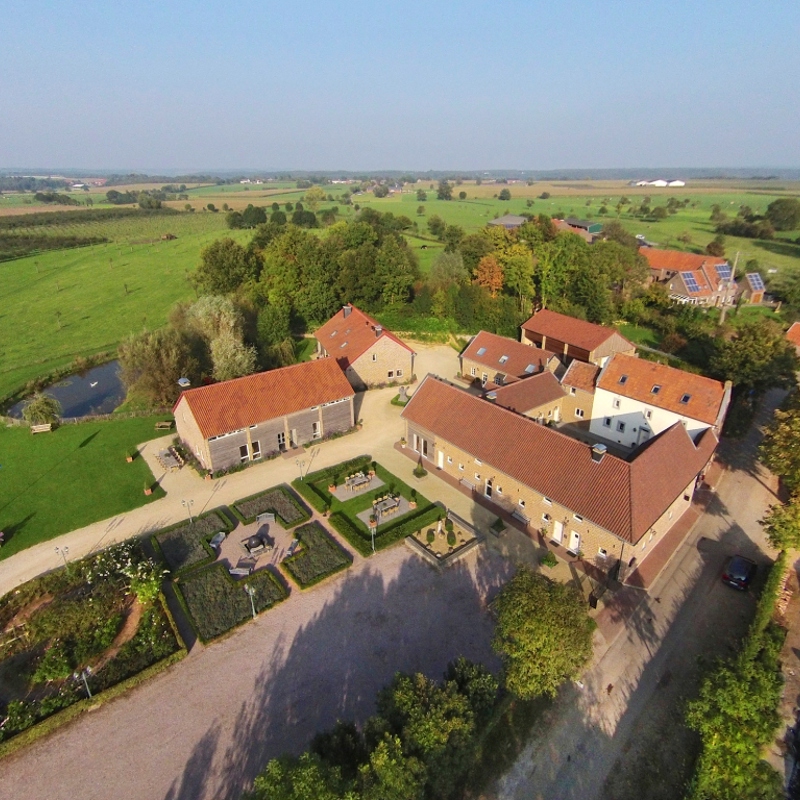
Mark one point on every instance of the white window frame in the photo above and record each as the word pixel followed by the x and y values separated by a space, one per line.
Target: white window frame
pixel 521 503
pixel 374 356
pixel 579 413
pixel 398 373
pixel 607 422
pixel 449 459
pixel 473 371
pixel 461 467
pixel 620 427
pixel 547 501
pixel 617 402
pixel 390 374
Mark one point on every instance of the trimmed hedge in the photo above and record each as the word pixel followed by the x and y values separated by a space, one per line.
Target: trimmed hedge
pixel 279 500
pixel 354 465
pixel 310 493
pixel 185 545
pixel 215 603
pixel 319 558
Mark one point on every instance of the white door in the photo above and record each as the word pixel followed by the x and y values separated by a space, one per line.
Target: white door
pixel 557 414
pixel 440 459
pixel 558 531
pixel 574 541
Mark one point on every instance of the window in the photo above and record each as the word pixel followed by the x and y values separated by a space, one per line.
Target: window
pixel 648 414
pixel 374 356
pixel 253 426
pixel 256 450
pixel 484 378
pixel 546 517
pixel 530 369
pixel 482 351
pixel 579 413
pixel 449 459
pixel 390 373
pixel 578 517
pixel 477 476
pixel 499 490
pixel 244 454
pixel 503 359
pixel 479 462
pixel 616 402
pixel 461 467
pixel 572 390
pixel 607 422
pixel 623 379
pixel 398 373
pixel 656 389
pixel 621 427
pixel 686 398
pixel 602 552
pixel 521 503
pixel 315 430
pixel 547 501
pixel 473 371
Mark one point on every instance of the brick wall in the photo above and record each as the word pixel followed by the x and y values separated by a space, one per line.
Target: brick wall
pixel 190 435
pixel 373 367
pixel 579 401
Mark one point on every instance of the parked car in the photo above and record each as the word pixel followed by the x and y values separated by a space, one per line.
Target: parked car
pixel 739 572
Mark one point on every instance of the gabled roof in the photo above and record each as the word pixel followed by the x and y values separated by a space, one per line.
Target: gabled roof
pixel 508 221
pixel 524 395
pixel 507 356
pixel 231 405
pixel 577 332
pixel 581 375
pixel 793 334
pixel 677 261
pixel 705 396
pixel 346 338
pixel 624 497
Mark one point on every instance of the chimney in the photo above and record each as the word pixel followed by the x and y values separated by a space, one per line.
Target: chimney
pixel 378 331
pixel 598 452
pixel 346 310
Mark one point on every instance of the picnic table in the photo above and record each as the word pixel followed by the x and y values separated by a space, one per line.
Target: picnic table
pixel 358 481
pixel 387 506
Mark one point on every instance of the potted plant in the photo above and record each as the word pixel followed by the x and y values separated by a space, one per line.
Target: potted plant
pixel 148 490
pixel 402 441
pixel 129 455
pixel 451 539
pixel 373 520
pixel 430 536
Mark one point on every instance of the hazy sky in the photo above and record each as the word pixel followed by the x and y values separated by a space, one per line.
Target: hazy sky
pixel 405 85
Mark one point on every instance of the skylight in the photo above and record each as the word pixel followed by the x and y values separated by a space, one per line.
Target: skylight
pixel 686 398
pixel 655 390
pixel 530 369
pixel 623 379
pixel 482 351
pixel 503 359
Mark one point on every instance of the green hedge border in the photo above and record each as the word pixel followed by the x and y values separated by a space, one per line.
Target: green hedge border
pixel 306 514
pixel 60 718
pixel 185 608
pixel 286 563
pixel 211 556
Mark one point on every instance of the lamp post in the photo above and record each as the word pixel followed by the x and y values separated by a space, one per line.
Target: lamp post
pixel 83 675
pixel 187 504
pixel 300 463
pixel 252 593
pixel 63 552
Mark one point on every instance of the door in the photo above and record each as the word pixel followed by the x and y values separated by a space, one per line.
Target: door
pixel 256 450
pixel 556 414
pixel 425 447
pixel 293 437
pixel 440 459
pixel 488 491
pixel 574 541
pixel 558 531
pixel 281 441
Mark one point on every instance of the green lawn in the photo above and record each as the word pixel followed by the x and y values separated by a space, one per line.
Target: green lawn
pixel 51 483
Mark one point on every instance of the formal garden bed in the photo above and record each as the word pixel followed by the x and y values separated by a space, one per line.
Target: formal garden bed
pixel 102 619
pixel 215 602
pixel 446 541
pixel 319 556
pixel 317 488
pixel 279 500
pixel 186 544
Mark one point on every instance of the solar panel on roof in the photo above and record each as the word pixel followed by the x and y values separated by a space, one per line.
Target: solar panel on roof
pixel 756 281
pixel 690 281
pixel 724 272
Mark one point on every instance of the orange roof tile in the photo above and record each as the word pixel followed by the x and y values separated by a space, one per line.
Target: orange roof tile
pixel 793 334
pixel 677 261
pixel 348 338
pixel 577 332
pixel 529 393
pixel 581 375
pixel 624 497
pixel 706 396
pixel 231 405
pixel 521 360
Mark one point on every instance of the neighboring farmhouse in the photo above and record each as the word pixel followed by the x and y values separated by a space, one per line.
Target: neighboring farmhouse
pixel 508 221
pixel 579 496
pixel 540 397
pixel 572 338
pixel 793 336
pixel 753 288
pixel 496 360
pixel 635 399
pixel 367 353
pixel 691 278
pixel 249 418
pixel 578 383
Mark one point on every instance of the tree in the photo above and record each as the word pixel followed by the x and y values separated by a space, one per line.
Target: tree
pixel 473 248
pixel 453 234
pixel 758 356
pixel 42 409
pixel 462 195
pixel 390 775
pixel 447 270
pixel 782 525
pixel 784 214
pixel 381 190
pixel 436 225
pixel 422 195
pixel 231 357
pixel 544 196
pixel 211 316
pixel 505 194
pixel 543 634
pixel 778 449
pixel 314 196
pixel 253 216
pixel 304 778
pixel 444 191
pixel 224 266
pixel 420 211
pixel 489 275
pixel 716 247
pixel 519 277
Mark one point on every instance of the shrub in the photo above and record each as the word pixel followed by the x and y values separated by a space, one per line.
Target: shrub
pixel 186 544
pixel 448 525
pixel 279 500
pixel 420 471
pixel 430 536
pixel 451 538
pixel 548 559
pixel 320 556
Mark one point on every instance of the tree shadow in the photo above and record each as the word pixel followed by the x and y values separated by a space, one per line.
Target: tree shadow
pixel 88 439
pixel 10 530
pixel 778 247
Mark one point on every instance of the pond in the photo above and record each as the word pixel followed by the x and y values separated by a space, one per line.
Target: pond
pixel 97 391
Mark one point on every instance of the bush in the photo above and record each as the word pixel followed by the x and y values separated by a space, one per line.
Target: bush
pixel 420 471
pixel 431 536
pixel 279 500
pixel 186 544
pixel 360 539
pixel 319 557
pixel 310 493
pixel 548 559
pixel 451 539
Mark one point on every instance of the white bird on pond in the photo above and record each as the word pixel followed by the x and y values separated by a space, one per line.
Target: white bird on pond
pixel 93 384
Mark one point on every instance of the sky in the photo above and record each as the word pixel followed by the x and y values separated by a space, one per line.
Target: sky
pixel 356 85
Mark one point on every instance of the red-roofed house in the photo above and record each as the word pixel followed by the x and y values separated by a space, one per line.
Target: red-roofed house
pixel 248 418
pixel 636 399
pixel 691 278
pixel 793 336
pixel 574 338
pixel 496 360
pixel 580 496
pixel 539 397
pixel 578 384
pixel 368 354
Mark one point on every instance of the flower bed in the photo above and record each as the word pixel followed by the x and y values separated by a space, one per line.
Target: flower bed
pixel 319 557
pixel 186 545
pixel 279 500
pixel 58 625
pixel 215 602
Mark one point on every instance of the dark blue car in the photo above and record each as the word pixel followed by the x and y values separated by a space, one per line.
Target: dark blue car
pixel 739 572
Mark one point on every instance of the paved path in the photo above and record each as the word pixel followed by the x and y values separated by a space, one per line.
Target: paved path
pixel 634 691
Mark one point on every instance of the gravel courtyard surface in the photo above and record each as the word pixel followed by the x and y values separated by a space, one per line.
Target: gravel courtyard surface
pixel 205 728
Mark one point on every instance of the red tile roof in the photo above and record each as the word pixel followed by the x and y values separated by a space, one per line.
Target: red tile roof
pixel 676 261
pixel 231 405
pixel 577 332
pixel 706 396
pixel 793 334
pixel 623 497
pixel 348 338
pixel 581 375
pixel 521 360
pixel 524 395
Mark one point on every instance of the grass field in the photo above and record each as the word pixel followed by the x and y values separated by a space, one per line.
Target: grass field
pixel 52 483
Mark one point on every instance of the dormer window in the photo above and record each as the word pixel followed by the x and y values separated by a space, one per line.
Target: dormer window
pixel 503 359
pixel 686 398
pixel 656 389
pixel 623 379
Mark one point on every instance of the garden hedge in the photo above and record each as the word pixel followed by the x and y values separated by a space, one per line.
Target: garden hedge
pixel 274 500
pixel 320 557
pixel 185 545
